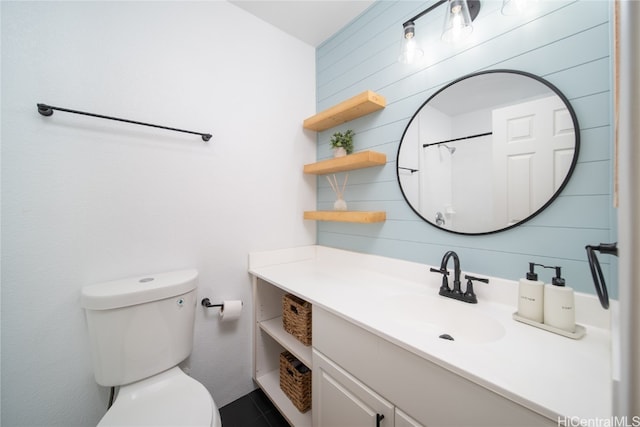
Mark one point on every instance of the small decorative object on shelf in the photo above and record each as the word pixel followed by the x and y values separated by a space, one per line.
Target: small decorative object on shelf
pixel 340 204
pixel 342 143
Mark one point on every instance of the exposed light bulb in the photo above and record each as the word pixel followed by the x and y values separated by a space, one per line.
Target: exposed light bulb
pixel 410 51
pixel 457 23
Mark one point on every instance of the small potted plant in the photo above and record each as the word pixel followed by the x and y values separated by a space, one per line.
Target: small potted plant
pixel 342 143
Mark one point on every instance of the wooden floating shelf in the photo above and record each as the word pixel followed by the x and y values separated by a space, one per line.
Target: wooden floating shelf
pixel 360 105
pixel 363 159
pixel 347 216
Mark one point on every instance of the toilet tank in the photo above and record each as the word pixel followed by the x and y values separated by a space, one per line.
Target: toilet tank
pixel 140 326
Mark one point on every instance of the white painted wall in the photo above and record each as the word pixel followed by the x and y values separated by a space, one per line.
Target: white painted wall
pixel 87 200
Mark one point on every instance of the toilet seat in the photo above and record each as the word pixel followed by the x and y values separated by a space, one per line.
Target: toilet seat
pixel 171 398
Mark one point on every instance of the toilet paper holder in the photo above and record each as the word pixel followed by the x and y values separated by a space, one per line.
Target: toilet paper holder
pixel 206 302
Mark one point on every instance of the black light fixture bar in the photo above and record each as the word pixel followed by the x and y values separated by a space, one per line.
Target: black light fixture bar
pixel 424 12
pixel 474 9
pixel 47 110
pixel 458 139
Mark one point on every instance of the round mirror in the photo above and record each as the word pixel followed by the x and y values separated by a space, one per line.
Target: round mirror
pixel 488 152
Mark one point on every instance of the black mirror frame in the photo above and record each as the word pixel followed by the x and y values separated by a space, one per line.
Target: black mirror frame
pixel 555 195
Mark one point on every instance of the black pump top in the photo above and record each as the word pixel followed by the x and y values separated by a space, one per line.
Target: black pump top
pixel 531 275
pixel 558 281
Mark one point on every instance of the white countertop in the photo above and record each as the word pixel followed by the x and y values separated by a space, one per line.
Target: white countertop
pixel 548 373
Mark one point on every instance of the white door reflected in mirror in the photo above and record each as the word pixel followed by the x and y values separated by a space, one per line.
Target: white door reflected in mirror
pixel 488 152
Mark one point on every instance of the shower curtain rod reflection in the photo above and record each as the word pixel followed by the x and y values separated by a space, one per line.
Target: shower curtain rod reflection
pixel 409 169
pixel 457 139
pixel 47 110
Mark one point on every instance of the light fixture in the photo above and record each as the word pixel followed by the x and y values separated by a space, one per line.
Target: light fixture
pixel 457 21
pixel 410 50
pixel 459 15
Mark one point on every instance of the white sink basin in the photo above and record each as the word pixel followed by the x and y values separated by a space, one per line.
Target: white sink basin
pixel 435 316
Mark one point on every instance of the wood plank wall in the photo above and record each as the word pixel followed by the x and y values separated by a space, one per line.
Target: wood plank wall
pixel 567 43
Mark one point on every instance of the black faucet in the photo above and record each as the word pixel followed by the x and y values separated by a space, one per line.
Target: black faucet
pixel 444 289
pixel 456 293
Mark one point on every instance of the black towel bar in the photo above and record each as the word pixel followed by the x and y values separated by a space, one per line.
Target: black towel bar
pixel 47 110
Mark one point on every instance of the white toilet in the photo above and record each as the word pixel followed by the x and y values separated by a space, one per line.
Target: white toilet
pixel 140 330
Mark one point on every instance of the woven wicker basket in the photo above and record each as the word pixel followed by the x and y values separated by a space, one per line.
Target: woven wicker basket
pixel 295 381
pixel 296 318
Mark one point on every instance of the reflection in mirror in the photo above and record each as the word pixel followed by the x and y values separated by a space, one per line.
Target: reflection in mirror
pixel 488 152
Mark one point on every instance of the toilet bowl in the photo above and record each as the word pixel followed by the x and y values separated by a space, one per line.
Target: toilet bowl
pixel 140 330
pixel 171 398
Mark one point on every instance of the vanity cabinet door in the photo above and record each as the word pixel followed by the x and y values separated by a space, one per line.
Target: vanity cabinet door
pixel 341 400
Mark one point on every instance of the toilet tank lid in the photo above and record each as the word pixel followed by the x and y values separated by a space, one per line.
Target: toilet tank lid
pixel 138 290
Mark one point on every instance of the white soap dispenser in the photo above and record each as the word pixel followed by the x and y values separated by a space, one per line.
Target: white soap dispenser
pixel 531 296
pixel 559 309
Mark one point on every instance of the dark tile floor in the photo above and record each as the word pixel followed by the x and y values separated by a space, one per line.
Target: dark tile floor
pixel 253 410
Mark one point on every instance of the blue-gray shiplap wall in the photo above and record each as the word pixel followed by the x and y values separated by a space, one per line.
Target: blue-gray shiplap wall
pixel 567 43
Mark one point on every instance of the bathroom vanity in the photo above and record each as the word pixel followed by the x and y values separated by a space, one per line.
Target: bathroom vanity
pixel 378 358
